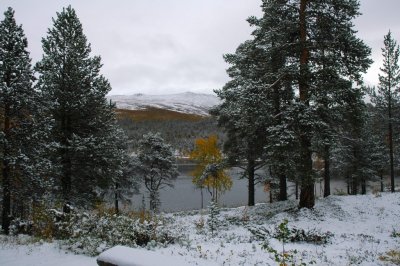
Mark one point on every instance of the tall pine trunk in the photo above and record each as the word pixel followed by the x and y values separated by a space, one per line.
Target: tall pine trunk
pixel 327 176
pixel 66 176
pixel 251 177
pixel 6 178
pixel 354 187
pixel 6 200
pixel 363 186
pixel 391 144
pixel 282 187
pixel 116 202
pixel 307 198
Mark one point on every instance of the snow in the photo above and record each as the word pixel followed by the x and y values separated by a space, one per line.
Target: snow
pixel 362 228
pixel 124 256
pixel 188 102
pixel 15 253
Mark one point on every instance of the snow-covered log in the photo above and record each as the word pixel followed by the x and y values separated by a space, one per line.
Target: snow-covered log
pixel 125 256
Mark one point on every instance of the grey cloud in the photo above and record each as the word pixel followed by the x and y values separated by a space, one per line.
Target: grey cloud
pixel 170 45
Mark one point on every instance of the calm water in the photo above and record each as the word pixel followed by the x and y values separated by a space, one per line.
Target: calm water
pixel 184 195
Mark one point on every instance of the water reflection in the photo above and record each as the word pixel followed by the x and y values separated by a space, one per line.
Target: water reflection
pixel 184 195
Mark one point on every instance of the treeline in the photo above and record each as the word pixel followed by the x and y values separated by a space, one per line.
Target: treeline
pixel 60 144
pixel 177 129
pixel 296 98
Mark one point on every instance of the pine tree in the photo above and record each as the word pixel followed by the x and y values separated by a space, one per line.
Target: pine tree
pixel 155 164
pixel 239 115
pixel 306 61
pixel 357 154
pixel 387 96
pixel 320 49
pixel 376 134
pixel 122 169
pixel 75 90
pixel 22 133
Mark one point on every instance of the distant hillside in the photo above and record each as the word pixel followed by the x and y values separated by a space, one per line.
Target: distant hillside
pixel 178 129
pixel 156 114
pixel 188 102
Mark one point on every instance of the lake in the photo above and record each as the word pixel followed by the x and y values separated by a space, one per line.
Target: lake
pixel 184 196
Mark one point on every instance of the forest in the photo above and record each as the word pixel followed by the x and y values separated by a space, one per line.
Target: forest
pixel 295 105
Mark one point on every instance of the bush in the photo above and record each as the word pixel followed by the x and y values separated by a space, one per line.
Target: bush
pixel 392 256
pixel 292 234
pixel 92 233
pixel 20 226
pixel 395 233
pixel 284 235
pixel 96 233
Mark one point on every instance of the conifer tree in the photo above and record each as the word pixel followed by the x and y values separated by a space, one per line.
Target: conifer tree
pixel 323 57
pixel 75 91
pixel 23 130
pixel 122 169
pixel 387 96
pixel 253 102
pixel 155 165
pixel 240 113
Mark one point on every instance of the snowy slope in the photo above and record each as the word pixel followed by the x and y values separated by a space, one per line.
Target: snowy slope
pixel 187 102
pixel 365 229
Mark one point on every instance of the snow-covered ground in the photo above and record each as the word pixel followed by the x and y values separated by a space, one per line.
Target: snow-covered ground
pixel 362 228
pixel 187 102
pixel 20 251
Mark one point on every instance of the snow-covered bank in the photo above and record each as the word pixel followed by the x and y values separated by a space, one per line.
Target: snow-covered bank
pixel 363 230
pixel 20 253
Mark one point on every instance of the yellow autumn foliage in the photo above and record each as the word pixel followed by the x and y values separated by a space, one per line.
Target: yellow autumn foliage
pixel 206 152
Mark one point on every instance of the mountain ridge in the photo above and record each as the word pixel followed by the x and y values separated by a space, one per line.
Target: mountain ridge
pixel 186 102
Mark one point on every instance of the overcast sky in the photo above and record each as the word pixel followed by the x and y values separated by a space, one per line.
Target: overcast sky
pixel 169 46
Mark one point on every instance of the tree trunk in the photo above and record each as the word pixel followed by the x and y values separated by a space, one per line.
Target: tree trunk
pixel 251 177
pixel 391 148
pixel 363 186
pixel 297 190
pixel 282 187
pixel 66 176
pixel 6 178
pixel 348 186
pixel 354 186
pixel 307 198
pixel 154 201
pixel 116 198
pixel 6 199
pixel 382 187
pixel 327 176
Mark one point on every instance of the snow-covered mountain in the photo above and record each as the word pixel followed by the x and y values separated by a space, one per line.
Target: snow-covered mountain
pixel 187 102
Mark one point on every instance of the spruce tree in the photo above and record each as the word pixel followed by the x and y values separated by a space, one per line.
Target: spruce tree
pixel 155 164
pixel 75 91
pixel 387 96
pixel 23 130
